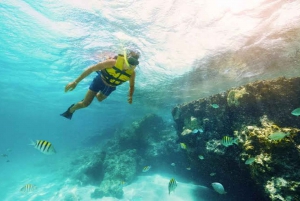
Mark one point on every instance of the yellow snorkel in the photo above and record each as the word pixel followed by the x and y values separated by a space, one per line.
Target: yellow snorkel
pixel 125 57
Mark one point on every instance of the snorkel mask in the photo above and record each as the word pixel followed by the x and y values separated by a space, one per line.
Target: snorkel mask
pixel 130 61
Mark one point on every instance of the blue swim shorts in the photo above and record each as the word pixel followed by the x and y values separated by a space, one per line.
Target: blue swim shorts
pixel 98 86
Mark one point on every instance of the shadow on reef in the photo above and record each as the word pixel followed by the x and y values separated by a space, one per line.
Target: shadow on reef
pixel 148 142
pixel 259 116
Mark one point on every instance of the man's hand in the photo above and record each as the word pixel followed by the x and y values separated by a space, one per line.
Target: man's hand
pixel 129 99
pixel 70 86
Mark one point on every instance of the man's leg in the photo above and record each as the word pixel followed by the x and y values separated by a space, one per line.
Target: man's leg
pixel 100 96
pixel 85 102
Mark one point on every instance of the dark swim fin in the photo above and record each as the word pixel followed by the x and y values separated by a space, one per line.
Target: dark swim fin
pixel 67 114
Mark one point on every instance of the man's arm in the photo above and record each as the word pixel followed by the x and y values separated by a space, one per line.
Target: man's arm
pixel 99 66
pixel 131 87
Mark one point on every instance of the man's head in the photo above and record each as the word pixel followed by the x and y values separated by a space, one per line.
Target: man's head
pixel 133 57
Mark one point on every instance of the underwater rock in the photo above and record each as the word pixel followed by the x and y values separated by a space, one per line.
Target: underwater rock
pixel 234 96
pixel 250 113
pixel 87 169
pixel 276 161
pixel 119 167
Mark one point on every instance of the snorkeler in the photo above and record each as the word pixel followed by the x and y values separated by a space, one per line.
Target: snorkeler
pixel 111 73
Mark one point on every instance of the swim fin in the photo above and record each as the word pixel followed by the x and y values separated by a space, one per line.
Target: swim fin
pixel 67 114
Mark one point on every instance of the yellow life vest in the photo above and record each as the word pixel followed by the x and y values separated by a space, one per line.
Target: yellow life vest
pixel 116 75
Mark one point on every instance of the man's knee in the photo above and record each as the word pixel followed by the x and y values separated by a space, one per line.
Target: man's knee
pixel 86 103
pixel 100 97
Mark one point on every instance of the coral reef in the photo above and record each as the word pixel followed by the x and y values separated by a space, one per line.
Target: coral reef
pixel 148 141
pixel 87 168
pixel 234 96
pixel 119 167
pixel 251 113
pixel 278 158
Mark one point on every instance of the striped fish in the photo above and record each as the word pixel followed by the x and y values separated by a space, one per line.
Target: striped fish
pixel 172 185
pixel 228 141
pixel 44 146
pixel 146 168
pixel 28 188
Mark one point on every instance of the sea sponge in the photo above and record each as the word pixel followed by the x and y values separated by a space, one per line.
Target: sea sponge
pixel 234 95
pixel 191 123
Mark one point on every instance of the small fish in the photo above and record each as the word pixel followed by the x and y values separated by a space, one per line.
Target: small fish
pixel 214 106
pixel 182 145
pixel 44 146
pixel 296 111
pixel 199 130
pixel 122 183
pixel 200 157
pixel 228 141
pixel 212 174
pixel 218 188
pixel 249 161
pixel 172 185
pixel 28 188
pixel 173 164
pixel 278 135
pixel 4 155
pixel 146 168
pixel 188 168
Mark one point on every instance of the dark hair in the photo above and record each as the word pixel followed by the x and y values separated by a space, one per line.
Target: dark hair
pixel 133 61
pixel 134 54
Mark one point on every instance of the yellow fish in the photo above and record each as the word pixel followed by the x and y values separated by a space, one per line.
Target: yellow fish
pixel 146 168
pixel 172 185
pixel 44 146
pixel 28 188
pixel 228 141
pixel 182 145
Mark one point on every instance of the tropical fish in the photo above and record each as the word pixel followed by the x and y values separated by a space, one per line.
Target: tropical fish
pixel 296 111
pixel 188 168
pixel 278 135
pixel 228 141
pixel 122 182
pixel 212 174
pixel 146 168
pixel 249 161
pixel 199 130
pixel 218 188
pixel 44 146
pixel 173 164
pixel 182 145
pixel 200 157
pixel 4 155
pixel 172 185
pixel 214 106
pixel 28 188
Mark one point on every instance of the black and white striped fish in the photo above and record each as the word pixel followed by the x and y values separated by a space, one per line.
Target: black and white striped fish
pixel 172 185
pixel 44 146
pixel 228 141
pixel 28 188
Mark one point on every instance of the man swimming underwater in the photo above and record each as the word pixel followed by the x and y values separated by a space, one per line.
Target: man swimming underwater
pixel 111 73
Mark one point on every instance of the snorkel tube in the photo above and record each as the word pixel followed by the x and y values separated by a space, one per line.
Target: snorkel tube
pixel 125 57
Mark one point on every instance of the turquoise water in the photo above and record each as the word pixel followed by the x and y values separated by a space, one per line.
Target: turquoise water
pixel 47 44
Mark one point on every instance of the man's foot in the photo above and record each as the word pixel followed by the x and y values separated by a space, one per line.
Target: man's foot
pixel 68 114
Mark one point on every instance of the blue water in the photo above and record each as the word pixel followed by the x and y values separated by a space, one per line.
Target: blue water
pixel 47 44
